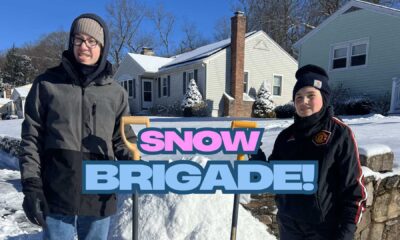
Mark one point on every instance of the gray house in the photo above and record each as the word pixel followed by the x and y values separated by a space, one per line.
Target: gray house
pixel 228 88
pixel 358 46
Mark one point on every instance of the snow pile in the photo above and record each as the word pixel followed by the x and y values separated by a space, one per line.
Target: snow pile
pixel 373 149
pixel 192 216
pixel 377 175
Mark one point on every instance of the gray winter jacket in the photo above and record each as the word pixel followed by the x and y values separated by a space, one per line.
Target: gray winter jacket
pixel 65 123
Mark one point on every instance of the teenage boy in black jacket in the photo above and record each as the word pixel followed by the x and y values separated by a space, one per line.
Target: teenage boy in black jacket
pixel 335 209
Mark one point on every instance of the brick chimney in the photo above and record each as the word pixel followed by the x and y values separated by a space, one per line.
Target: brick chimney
pixel 238 31
pixel 147 51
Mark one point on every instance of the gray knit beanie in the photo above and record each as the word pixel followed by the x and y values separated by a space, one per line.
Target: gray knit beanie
pixel 91 27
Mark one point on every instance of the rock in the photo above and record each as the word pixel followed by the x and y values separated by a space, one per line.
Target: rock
pixel 376 231
pixel 370 193
pixel 380 208
pixel 378 162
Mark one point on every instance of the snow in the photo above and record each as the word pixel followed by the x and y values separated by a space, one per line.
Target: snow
pixel 201 52
pixel 150 64
pixel 21 91
pixel 4 101
pixel 373 149
pixel 192 216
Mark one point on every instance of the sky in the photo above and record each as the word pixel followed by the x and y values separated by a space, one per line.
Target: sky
pixel 25 21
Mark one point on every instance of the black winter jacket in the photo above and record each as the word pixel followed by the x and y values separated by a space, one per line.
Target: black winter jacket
pixel 66 122
pixel 341 195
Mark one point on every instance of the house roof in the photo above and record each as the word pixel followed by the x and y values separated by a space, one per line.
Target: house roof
pixel 201 52
pixel 150 63
pixel 4 101
pixel 21 91
pixel 352 4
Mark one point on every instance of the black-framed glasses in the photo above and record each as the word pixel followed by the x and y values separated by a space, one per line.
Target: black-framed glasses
pixel 90 42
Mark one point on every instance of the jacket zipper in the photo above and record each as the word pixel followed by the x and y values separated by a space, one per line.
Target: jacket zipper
pixel 94 118
pixel 82 125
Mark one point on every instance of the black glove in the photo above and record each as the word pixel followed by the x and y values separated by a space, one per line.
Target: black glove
pixel 35 208
pixel 259 156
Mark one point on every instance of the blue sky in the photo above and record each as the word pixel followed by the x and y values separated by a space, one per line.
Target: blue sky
pixel 23 21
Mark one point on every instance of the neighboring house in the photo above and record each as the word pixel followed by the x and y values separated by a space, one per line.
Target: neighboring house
pixel 152 80
pixel 6 107
pixel 359 47
pixel 18 96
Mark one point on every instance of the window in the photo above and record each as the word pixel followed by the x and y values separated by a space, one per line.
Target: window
pixel 277 87
pixel 130 88
pixel 126 85
pixel 358 54
pixel 164 87
pixel 350 54
pixel 246 82
pixel 184 82
pixel 339 58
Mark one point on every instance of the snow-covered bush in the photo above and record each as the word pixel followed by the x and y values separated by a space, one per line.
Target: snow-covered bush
pixel 285 111
pixel 263 107
pixel 193 103
pixel 358 105
pixel 166 110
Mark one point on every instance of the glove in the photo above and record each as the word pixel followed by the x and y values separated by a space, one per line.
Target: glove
pixel 35 208
pixel 260 156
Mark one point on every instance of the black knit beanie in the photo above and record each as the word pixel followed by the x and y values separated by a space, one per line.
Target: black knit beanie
pixel 313 76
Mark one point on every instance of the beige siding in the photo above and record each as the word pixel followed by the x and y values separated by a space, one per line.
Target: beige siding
pixel 383 34
pixel 129 68
pixel 263 60
pixel 176 76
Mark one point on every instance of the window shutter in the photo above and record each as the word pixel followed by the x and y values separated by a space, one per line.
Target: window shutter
pixel 134 88
pixel 169 86
pixel 184 82
pixel 195 75
pixel 159 87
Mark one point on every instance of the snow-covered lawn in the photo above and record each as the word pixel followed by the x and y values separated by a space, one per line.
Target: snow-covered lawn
pixel 172 216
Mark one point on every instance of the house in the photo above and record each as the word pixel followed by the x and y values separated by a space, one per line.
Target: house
pixel 229 89
pixel 358 46
pixel 18 96
pixel 6 107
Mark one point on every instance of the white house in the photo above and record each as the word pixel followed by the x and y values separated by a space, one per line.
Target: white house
pixel 235 70
pixel 358 46
pixel 18 96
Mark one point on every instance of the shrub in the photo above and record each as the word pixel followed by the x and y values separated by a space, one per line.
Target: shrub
pixel 358 105
pixel 285 111
pixel 166 110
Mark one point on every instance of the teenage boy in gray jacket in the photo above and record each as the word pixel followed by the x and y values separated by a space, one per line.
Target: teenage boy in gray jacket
pixel 72 113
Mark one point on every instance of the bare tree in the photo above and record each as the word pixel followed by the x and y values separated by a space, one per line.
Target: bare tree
pixel 192 38
pixel 222 29
pixel 47 51
pixel 124 20
pixel 164 22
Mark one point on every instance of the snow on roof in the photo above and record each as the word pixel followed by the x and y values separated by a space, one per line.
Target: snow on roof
pixel 150 63
pixel 4 101
pixel 202 52
pixel 21 91
pixel 374 149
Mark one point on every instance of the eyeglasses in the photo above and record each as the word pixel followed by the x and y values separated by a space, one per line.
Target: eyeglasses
pixel 90 43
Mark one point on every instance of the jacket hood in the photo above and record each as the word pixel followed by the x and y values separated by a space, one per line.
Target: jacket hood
pixel 102 64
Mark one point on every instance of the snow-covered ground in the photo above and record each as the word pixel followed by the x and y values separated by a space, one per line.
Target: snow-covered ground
pixel 175 217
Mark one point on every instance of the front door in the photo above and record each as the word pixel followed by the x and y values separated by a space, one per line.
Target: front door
pixel 147 93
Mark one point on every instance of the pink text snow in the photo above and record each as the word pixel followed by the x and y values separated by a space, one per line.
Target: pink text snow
pixel 202 140
pixel 186 177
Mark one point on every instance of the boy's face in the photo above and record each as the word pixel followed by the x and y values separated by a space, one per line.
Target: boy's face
pixel 308 100
pixel 86 49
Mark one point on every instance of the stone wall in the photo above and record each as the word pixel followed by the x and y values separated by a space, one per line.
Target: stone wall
pixel 380 221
